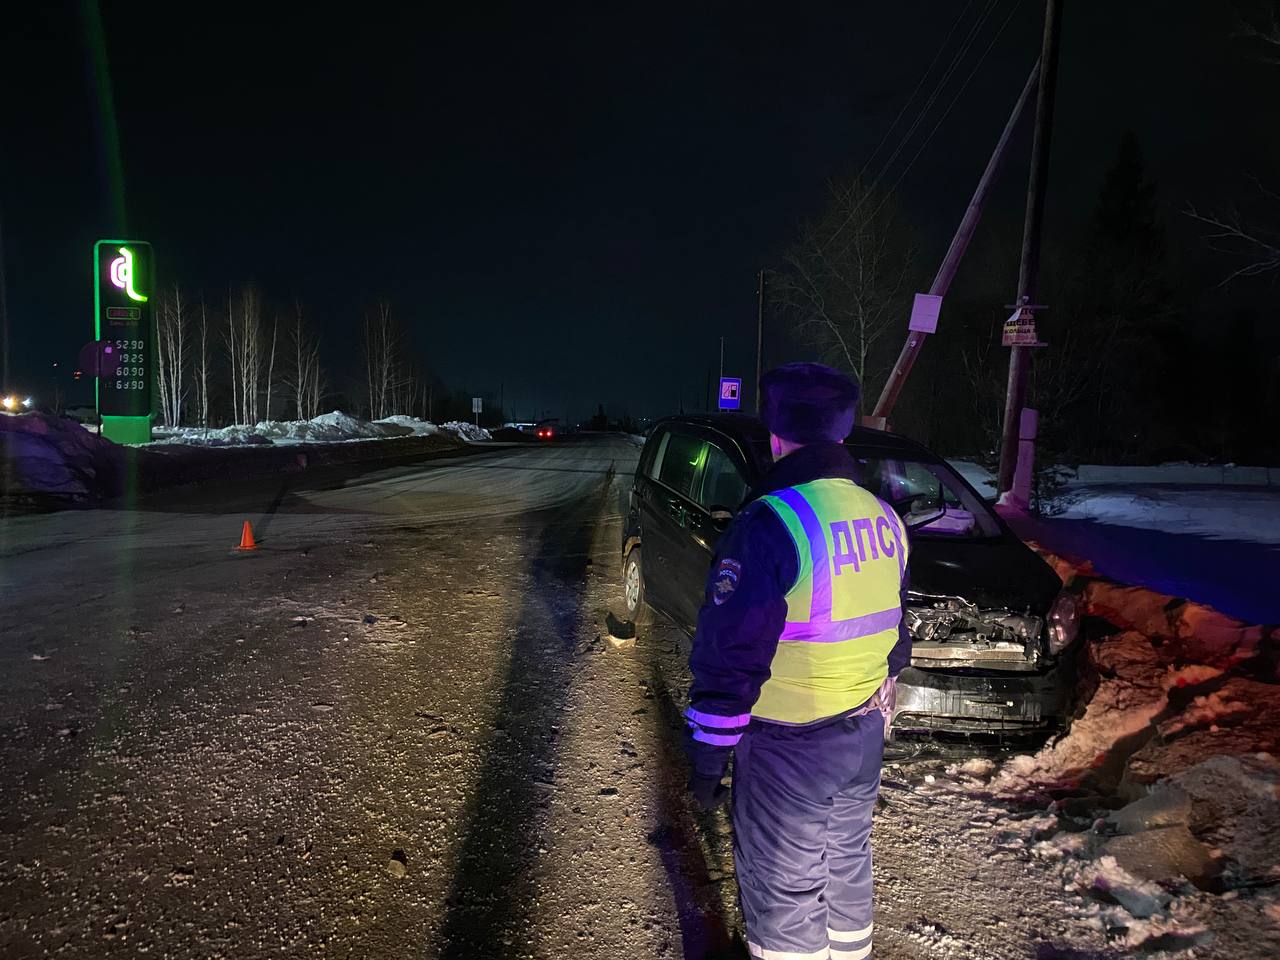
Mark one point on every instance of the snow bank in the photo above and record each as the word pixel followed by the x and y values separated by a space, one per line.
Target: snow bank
pixel 1106 475
pixel 1184 725
pixel 332 427
pixel 1215 502
pixel 44 455
pixel 1208 474
pixel 467 431
pixel 1169 694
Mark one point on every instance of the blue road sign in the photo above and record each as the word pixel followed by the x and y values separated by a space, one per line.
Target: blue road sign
pixel 730 393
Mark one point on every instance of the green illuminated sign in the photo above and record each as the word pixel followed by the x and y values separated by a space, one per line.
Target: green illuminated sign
pixel 123 272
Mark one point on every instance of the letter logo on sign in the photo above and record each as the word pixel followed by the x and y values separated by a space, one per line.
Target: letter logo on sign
pixel 122 274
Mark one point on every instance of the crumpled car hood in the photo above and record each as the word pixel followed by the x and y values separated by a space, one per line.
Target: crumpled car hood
pixel 990 573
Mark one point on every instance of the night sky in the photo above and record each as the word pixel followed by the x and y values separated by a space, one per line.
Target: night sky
pixel 569 201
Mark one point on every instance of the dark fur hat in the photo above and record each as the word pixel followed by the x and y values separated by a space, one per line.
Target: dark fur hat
pixel 808 402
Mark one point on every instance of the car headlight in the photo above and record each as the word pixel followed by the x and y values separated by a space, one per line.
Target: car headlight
pixel 1064 622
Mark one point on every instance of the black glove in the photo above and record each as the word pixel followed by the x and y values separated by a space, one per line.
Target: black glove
pixel 709 764
pixel 709 792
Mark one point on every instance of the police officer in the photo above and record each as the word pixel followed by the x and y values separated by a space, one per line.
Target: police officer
pixel 799 644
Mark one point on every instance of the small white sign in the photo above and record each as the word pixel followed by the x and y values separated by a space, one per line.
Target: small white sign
pixel 924 313
pixel 477 405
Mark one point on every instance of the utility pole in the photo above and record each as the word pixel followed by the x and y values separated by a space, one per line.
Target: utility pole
pixel 722 358
pixel 959 244
pixel 1028 271
pixel 759 337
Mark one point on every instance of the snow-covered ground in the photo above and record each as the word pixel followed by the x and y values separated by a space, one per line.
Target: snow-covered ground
pixel 1222 503
pixel 1208 533
pixel 326 428
pixel 1159 811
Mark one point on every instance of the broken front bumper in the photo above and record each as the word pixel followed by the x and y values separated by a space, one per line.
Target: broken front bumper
pixel 982 702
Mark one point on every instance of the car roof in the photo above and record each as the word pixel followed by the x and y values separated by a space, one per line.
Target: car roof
pixel 749 430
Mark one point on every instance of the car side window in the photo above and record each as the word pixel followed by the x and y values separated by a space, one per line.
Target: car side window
pixel 678 462
pixel 722 483
pixel 658 448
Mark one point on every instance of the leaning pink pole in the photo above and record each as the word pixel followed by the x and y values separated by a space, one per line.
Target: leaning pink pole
pixel 959 243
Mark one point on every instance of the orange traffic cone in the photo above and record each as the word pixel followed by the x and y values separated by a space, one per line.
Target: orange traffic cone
pixel 246 538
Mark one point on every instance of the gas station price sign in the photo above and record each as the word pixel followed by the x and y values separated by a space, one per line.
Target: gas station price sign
pixel 123 320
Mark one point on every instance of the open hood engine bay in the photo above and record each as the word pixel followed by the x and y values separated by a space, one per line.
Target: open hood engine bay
pixel 951 633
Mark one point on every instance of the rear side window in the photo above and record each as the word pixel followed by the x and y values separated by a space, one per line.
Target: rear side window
pixel 653 454
pixel 722 483
pixel 677 462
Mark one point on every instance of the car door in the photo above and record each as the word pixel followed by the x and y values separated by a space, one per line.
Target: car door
pixel 719 488
pixel 664 509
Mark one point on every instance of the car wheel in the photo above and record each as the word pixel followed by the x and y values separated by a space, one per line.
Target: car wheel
pixel 633 588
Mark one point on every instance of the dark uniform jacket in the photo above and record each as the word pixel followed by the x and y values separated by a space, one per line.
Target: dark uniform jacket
pixel 742 616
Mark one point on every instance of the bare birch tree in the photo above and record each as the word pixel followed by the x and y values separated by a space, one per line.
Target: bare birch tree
pixel 1254 246
pixel 315 387
pixel 244 350
pixel 229 338
pixel 307 380
pixel 171 354
pixel 271 364
pixel 845 280
pixel 200 372
pixel 382 347
pixel 1254 242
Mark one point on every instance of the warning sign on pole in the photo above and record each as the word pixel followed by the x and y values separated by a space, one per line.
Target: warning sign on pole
pixel 1020 329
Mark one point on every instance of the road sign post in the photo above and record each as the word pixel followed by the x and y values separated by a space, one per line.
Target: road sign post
pixel 124 326
pixel 730 393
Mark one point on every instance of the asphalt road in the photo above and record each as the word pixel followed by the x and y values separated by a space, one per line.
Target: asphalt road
pixel 398 729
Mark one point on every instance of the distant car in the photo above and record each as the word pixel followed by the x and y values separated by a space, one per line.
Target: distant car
pixel 993 632
pixel 546 431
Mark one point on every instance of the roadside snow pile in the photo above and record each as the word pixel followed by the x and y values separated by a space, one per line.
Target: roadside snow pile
pixel 419 428
pixel 332 427
pixel 45 455
pixel 468 431
pixel 1177 682
pixel 1163 799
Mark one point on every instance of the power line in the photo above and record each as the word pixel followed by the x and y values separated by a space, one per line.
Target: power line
pixel 956 59
pixel 960 54
pixel 919 83
pixel 946 113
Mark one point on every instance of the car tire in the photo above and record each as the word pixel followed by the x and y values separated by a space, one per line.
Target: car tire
pixel 633 598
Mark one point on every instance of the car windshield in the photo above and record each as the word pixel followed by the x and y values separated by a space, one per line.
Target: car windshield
pixel 913 487
pixel 919 489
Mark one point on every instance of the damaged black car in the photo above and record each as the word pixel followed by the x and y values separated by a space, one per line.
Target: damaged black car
pixel 993 632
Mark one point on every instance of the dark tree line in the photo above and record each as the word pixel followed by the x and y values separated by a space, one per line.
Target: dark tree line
pixel 1143 364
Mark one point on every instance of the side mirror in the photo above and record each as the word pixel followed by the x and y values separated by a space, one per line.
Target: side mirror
pixel 721 517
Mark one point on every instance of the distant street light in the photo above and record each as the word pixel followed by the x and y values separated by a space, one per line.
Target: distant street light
pixel 10 402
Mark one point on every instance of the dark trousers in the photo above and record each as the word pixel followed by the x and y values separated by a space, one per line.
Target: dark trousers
pixel 802 804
